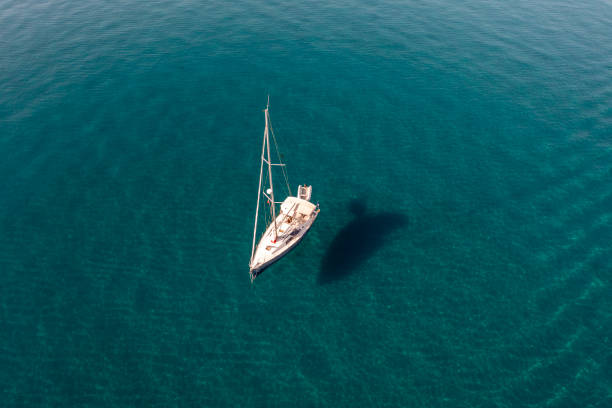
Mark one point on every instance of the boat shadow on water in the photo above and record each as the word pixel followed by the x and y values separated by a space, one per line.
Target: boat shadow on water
pixel 357 241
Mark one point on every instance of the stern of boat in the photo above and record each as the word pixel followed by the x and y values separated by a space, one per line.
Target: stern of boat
pixel 304 192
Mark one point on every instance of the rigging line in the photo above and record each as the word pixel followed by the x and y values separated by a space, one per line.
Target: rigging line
pixel 262 206
pixel 258 200
pixel 279 158
pixel 267 217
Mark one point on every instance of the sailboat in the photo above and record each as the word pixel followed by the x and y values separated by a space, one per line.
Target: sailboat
pixel 289 223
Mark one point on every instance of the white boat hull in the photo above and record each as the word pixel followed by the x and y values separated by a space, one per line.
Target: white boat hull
pixel 293 222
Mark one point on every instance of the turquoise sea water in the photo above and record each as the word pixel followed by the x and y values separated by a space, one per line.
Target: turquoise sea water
pixel 461 153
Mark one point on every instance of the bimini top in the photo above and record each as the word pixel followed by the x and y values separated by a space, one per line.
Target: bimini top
pixel 298 205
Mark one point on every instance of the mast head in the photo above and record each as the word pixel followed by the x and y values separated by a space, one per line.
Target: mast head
pixel 268 104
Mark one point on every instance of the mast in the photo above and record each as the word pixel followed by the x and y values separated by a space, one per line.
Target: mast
pixel 267 142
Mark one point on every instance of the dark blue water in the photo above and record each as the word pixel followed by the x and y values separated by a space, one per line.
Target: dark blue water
pixel 461 153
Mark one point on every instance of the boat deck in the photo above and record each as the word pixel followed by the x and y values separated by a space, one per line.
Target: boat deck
pixel 295 218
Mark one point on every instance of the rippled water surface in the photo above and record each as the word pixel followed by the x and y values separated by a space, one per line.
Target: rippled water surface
pixel 461 153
